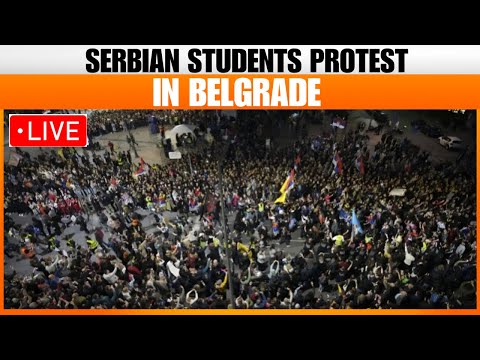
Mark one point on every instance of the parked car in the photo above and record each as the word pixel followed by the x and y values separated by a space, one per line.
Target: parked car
pixel 431 131
pixel 451 142
pixel 427 129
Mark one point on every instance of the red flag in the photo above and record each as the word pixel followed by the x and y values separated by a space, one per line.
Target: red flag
pixel 337 161
pixel 297 159
pixel 360 165
pixel 140 171
pixel 211 203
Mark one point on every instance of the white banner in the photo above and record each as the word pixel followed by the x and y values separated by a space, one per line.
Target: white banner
pixel 288 59
pixel 174 155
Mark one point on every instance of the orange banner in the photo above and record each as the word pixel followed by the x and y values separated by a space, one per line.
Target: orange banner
pixel 336 91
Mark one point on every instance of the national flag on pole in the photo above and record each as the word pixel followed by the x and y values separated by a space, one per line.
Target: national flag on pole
pixel 142 169
pixel 161 199
pixel 275 228
pixel 360 165
pixel 286 187
pixel 296 162
pixel 289 183
pixel 339 122
pixel 356 222
pixel 337 163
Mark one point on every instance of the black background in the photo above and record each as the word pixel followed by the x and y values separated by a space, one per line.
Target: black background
pixel 240 336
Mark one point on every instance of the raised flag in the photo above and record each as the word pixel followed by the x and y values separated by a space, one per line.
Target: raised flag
pixel 161 199
pixel 275 228
pixel 337 163
pixel 356 222
pixel 289 183
pixel 360 165
pixel 339 123
pixel 282 198
pixel 142 169
pixel 297 159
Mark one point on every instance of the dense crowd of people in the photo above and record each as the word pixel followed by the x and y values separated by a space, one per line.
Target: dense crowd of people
pixel 103 122
pixel 416 250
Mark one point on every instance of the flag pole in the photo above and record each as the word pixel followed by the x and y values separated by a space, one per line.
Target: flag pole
pixel 353 228
pixel 230 273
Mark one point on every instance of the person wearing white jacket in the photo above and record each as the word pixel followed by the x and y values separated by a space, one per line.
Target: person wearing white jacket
pixel 262 260
pixel 53 266
pixel 110 277
pixel 409 258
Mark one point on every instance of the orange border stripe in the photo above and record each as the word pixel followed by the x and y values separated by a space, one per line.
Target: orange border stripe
pixel 2 252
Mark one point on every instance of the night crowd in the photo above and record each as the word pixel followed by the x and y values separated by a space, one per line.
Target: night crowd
pixel 416 250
